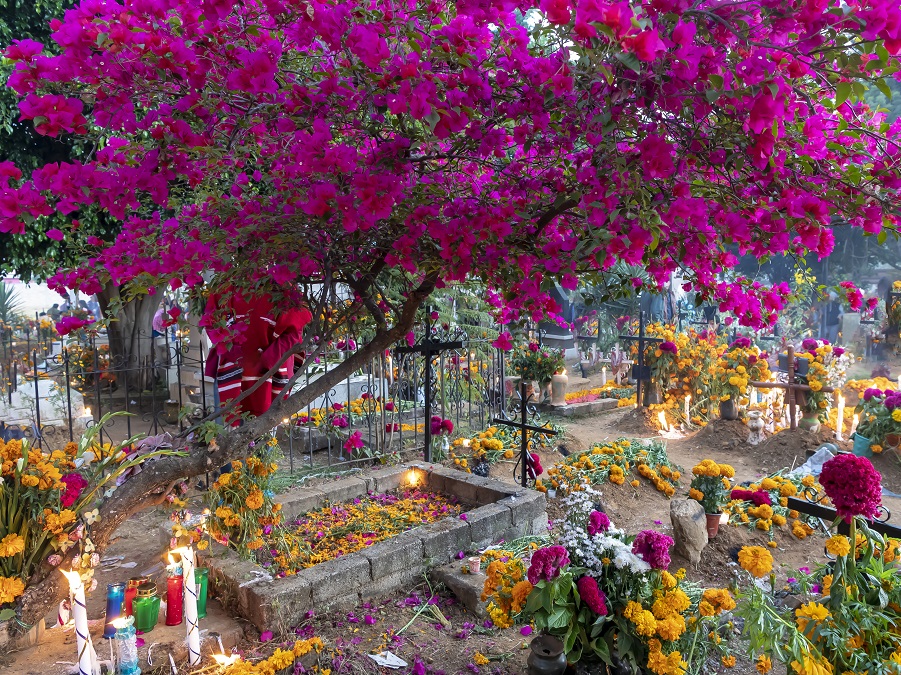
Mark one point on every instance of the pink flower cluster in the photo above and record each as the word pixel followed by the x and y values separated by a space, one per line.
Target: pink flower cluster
pixel 598 522
pixel 759 497
pixel 547 563
pixel 441 427
pixel 591 595
pixel 653 547
pixel 853 486
pixel 74 483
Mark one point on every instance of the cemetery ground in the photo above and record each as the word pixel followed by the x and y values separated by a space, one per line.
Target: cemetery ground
pixel 398 621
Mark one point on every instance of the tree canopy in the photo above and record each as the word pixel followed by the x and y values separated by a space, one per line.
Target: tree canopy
pixel 327 141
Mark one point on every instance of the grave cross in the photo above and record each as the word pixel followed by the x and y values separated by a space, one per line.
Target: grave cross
pixel 523 426
pixel 790 387
pixel 429 348
pixel 643 342
pixel 829 515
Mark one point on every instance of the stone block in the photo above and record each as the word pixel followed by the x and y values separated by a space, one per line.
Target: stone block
pixel 401 580
pixel 300 501
pixel 385 480
pixel 343 490
pixel 343 576
pixel 540 525
pixel 467 588
pixel 281 605
pixel 395 554
pixel 487 523
pixel 525 506
pixel 442 540
pixel 689 528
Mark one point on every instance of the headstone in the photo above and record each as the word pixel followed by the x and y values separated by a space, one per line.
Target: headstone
pixel 850 327
pixel 689 528
pixel 19 408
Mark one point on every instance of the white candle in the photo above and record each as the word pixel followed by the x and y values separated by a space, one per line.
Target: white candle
pixel 174 670
pixel 82 634
pixel 603 375
pixel 839 423
pixel 854 423
pixel 688 408
pixel 190 586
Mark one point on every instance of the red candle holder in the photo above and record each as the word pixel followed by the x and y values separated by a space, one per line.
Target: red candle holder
pixel 174 599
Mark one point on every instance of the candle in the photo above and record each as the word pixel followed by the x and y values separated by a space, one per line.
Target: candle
pixel 603 375
pixel 80 615
pixel 688 408
pixel 840 422
pixel 146 607
pixel 190 595
pixel 203 580
pixel 172 668
pixel 115 597
pixel 126 639
pixel 854 423
pixel 174 599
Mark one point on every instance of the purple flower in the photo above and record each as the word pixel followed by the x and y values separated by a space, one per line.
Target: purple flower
pixel 669 346
pixel 488 623
pixel 266 636
pixel 369 620
pixel 804 570
pixel 893 401
pixel 525 631
pixel 463 516
pixel 597 522
pixel 740 343
pixel 809 345
pixel 653 547
pixel 791 580
pixel 838 351
pixel 546 563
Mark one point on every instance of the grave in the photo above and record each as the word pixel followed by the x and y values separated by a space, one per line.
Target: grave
pixel 495 511
pixel 18 408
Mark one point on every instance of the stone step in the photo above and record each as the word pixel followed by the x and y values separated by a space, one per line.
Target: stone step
pixel 467 588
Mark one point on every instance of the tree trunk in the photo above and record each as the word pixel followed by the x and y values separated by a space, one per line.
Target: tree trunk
pixel 150 486
pixel 130 335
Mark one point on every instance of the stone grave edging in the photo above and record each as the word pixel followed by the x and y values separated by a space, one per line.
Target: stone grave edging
pixel 501 511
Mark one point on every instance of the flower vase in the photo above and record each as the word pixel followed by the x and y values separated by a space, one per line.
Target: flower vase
pixel 810 421
pixel 713 524
pixel 546 657
pixel 755 426
pixel 728 410
pixel 559 384
pixel 544 391
pixel 862 446
pixel 892 441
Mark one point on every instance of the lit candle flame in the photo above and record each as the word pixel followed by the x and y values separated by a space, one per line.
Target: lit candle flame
pixel 226 660
pixel 413 477
pixel 121 622
pixel 73 577
pixel 662 419
pixel 87 412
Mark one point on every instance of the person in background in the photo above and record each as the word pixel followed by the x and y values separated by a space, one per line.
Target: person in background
pixel 832 317
pixel 54 312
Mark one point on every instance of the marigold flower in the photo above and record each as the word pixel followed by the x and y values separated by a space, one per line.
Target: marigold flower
pixel 838 545
pixel 756 560
pixel 10 545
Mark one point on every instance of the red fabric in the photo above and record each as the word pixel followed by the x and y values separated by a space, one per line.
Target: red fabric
pixel 287 333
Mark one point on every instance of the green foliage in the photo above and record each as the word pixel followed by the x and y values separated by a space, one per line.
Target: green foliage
pixel 877 97
pixel 10 304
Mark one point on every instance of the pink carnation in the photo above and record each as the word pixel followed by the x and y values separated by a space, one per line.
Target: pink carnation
pixel 853 485
pixel 592 595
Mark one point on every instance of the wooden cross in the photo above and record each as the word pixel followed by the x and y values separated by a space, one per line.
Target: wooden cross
pixel 523 426
pixel 429 349
pixel 643 342
pixel 790 387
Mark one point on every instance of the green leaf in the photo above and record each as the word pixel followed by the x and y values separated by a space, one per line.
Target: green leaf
pixel 884 88
pixel 629 60
pixel 842 92
pixel 6 614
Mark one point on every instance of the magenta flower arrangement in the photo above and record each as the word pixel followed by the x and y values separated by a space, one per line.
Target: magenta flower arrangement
pixel 653 547
pixel 853 486
pixel 546 564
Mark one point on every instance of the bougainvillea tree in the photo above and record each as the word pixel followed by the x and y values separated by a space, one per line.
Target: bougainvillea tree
pixel 293 146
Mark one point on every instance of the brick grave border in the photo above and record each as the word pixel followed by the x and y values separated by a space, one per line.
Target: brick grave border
pixel 498 511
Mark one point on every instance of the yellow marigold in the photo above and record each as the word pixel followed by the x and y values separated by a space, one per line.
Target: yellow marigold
pixel 838 545
pixel 788 489
pixel 768 484
pixel 827 584
pixel 10 589
pixel 223 480
pixel 10 545
pixel 695 494
pixel 668 580
pixel 729 661
pixel 58 522
pixel 811 611
pixel 520 594
pixel 811 666
pixel 480 659
pixel 726 471
pixel 666 664
pixel 672 627
pixel 254 500
pixel 30 481
pixel 756 560
pixel 763 664
pixel 778 520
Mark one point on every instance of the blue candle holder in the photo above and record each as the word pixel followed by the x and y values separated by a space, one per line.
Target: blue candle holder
pixel 126 639
pixel 115 598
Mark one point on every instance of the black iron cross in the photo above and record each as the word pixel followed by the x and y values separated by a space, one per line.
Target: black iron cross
pixel 829 515
pixel 643 342
pixel 429 349
pixel 524 426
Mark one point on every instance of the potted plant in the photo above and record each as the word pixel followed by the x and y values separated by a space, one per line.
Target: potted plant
pixel 826 365
pixel 710 487
pixel 739 365
pixel 535 363
pixel 880 420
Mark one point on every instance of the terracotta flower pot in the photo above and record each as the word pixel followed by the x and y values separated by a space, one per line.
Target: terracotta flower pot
pixel 810 421
pixel 713 524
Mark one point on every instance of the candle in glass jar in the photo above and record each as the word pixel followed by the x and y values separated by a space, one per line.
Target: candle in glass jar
pixel 147 607
pixel 174 599
pixel 115 598
pixel 131 591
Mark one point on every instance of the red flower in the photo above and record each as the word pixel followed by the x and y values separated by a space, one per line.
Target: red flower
pixel 853 485
pixel 592 595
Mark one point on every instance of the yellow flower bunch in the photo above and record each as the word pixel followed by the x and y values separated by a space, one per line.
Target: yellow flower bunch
pixel 10 589
pixel 506 588
pixel 756 560
pixel 10 545
pixel 715 601
pixel 280 660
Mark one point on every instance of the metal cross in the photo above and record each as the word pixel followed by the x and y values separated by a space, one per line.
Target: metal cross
pixel 643 342
pixel 523 426
pixel 429 349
